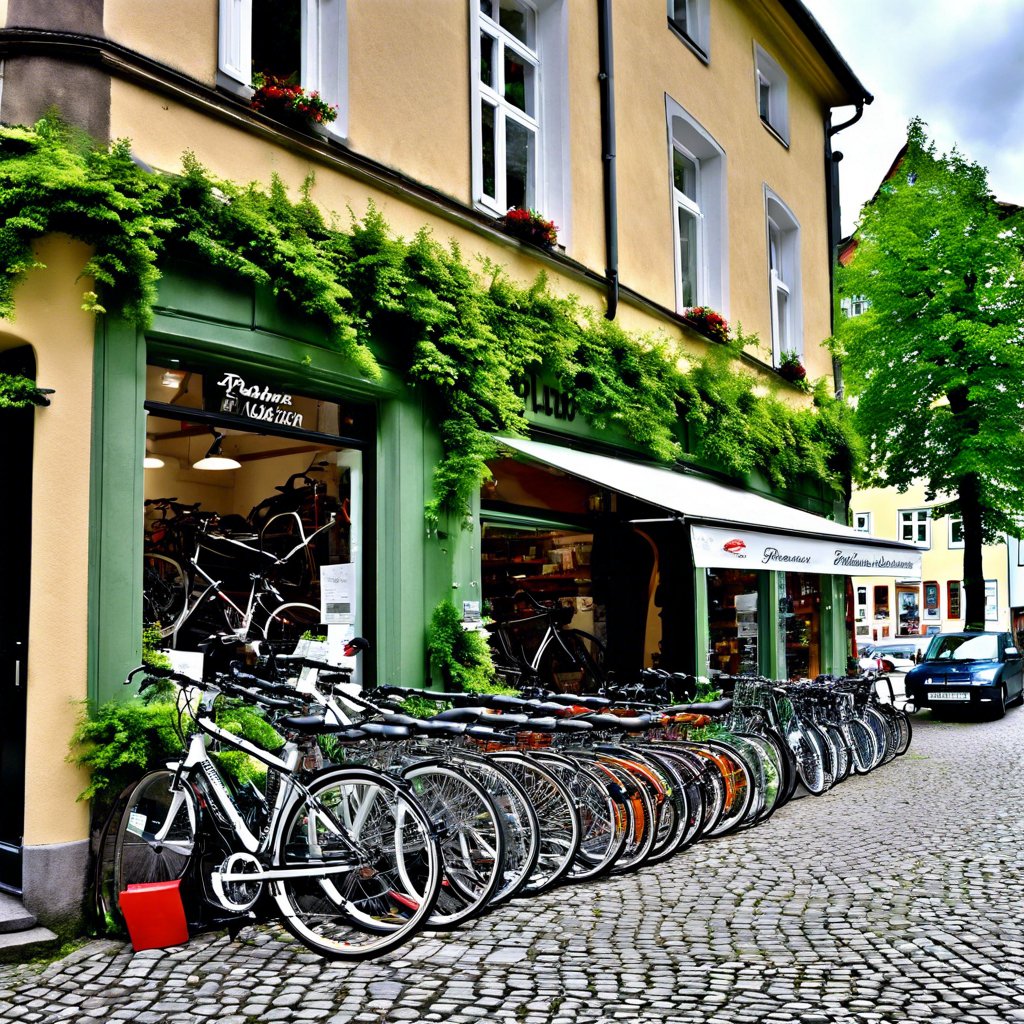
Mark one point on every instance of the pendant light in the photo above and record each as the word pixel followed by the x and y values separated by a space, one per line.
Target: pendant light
pixel 151 461
pixel 213 459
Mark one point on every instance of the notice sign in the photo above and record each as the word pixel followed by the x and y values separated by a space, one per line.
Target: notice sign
pixel 337 594
pixel 252 400
pixel 738 548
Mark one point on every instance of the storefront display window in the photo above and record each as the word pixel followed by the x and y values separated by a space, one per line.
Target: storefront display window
pixel 732 621
pixel 800 623
pixel 253 510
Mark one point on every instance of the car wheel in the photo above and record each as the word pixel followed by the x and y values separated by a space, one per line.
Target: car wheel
pixel 999 705
pixel 1018 700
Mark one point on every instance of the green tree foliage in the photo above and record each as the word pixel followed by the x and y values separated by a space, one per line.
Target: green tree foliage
pixel 937 362
pixel 461 336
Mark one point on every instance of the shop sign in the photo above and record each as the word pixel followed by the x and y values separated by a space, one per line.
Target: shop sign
pixel 719 547
pixel 231 393
pixel 543 399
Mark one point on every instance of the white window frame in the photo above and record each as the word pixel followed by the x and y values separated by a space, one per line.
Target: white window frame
pixel 862 522
pixel 551 185
pixel 952 543
pixel 768 74
pixel 785 278
pixel 861 606
pixel 686 135
pixel 914 522
pixel 324 49
pixel 991 600
pixel 690 206
pixel 697 33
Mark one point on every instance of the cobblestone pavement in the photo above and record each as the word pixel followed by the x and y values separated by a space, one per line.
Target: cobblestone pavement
pixel 897 897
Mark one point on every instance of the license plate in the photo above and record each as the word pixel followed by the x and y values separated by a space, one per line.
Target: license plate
pixel 948 695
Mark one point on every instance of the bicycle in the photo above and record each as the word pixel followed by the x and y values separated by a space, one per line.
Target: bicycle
pixel 345 856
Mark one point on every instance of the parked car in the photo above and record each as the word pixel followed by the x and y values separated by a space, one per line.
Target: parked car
pixel 982 670
pixel 893 655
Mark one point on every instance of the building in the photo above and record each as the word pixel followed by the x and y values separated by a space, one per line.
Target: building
pixel 934 603
pixel 684 152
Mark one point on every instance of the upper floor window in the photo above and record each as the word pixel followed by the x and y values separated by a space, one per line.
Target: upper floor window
pixel 520 153
pixel 691 19
pixel 697 168
pixel 302 41
pixel 772 93
pixel 784 278
pixel 862 522
pixel 956 532
pixel 916 526
pixel 855 305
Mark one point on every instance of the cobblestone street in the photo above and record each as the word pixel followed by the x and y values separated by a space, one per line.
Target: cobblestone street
pixel 896 897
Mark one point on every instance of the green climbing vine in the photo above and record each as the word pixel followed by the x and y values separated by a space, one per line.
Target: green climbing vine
pixel 462 336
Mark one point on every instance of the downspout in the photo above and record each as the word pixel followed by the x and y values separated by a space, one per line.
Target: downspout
pixel 611 211
pixel 834 223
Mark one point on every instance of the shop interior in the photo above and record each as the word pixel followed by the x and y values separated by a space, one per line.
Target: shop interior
pixel 260 513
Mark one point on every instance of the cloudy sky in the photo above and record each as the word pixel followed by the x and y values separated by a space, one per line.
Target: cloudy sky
pixel 959 66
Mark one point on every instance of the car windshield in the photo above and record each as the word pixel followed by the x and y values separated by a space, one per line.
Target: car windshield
pixel 965 648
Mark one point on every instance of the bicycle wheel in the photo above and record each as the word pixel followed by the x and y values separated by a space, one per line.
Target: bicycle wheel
pixel 164 592
pixel 289 621
pixel 572 662
pixel 473 842
pixel 364 867
pixel 155 837
pixel 863 746
pixel 560 831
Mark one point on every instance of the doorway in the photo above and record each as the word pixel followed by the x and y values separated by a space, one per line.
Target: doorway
pixel 15 550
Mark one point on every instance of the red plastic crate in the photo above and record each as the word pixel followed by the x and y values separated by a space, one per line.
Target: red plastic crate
pixel 154 915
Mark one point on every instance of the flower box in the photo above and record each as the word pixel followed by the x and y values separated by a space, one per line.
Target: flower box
pixel 707 322
pixel 289 103
pixel 530 226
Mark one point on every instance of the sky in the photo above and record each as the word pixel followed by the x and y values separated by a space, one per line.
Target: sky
pixel 958 66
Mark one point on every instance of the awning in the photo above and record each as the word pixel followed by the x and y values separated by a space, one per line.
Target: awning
pixel 734 528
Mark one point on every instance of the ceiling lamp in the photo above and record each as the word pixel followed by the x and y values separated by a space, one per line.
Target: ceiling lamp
pixel 213 458
pixel 152 461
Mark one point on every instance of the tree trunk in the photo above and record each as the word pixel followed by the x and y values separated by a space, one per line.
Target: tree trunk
pixel 974 577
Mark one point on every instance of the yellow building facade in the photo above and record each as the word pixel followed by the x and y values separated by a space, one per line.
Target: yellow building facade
pixel 683 149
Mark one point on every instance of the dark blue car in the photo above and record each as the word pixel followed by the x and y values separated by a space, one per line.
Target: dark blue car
pixel 979 670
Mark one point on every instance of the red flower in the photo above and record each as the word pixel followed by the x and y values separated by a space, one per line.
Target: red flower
pixel 708 322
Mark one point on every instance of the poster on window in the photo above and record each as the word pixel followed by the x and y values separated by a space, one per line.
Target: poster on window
pixel 337 594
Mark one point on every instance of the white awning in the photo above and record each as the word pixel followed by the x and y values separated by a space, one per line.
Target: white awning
pixel 732 527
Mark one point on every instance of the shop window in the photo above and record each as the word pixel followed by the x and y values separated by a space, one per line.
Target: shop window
pixel 908 611
pixel 697 183
pixel 862 603
pixel 520 147
pixel 991 600
pixel 931 600
pixel 253 514
pixel 882 602
pixel 732 621
pixel 800 623
pixel 953 598
pixel 302 41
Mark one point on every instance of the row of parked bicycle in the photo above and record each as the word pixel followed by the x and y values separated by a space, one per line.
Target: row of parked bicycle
pixel 374 824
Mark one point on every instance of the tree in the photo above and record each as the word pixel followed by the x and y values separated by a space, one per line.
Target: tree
pixel 936 363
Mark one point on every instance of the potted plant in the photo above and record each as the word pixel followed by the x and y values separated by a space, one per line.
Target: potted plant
pixel 709 323
pixel 289 103
pixel 530 226
pixel 791 369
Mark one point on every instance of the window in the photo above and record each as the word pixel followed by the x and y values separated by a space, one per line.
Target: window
pixel 882 603
pixel 916 527
pixel 304 40
pixel 956 532
pixel 862 522
pixel 691 19
pixel 991 600
pixel 697 184
pixel 862 603
pixel 854 306
pixel 772 93
pixel 931 600
pixel 784 278
pixel 520 150
pixel 953 598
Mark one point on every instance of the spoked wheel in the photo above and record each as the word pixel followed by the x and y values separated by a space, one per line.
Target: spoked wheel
pixel 164 592
pixel 365 867
pixel 288 622
pixel 473 842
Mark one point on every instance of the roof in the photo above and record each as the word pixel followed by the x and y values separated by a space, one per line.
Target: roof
pixel 817 37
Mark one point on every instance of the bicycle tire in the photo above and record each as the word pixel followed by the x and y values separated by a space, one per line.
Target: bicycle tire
pixel 155 837
pixel 572 661
pixel 366 821
pixel 164 592
pixel 473 841
pixel 863 746
pixel 288 621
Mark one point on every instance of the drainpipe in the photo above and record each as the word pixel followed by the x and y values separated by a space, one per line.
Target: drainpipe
pixel 834 222
pixel 611 213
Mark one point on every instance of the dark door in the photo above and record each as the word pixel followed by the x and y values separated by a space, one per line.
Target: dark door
pixel 16 426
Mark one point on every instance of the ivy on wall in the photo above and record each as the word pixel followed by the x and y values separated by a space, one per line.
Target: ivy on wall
pixel 461 336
